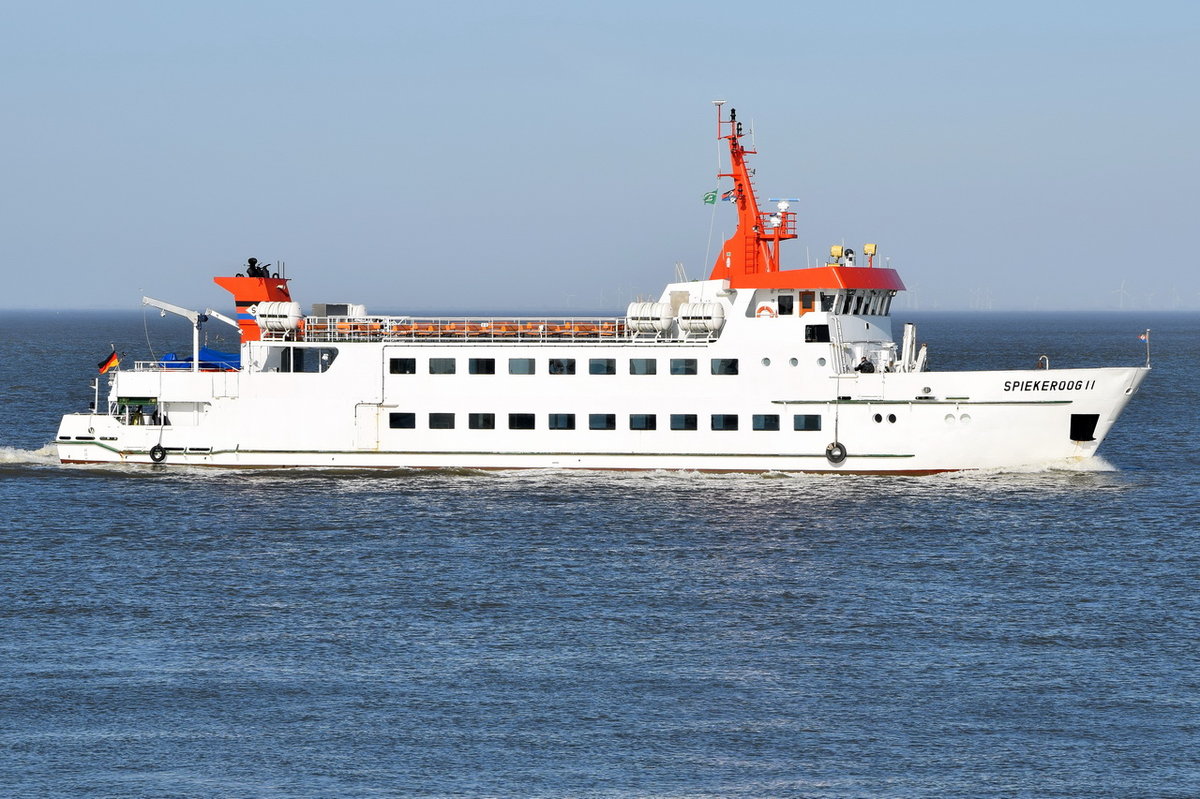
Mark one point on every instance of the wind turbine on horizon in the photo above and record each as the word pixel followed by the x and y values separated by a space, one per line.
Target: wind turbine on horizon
pixel 1121 295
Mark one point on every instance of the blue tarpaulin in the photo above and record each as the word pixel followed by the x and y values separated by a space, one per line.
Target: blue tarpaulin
pixel 209 359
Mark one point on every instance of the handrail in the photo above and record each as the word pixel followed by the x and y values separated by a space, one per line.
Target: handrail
pixel 407 328
pixel 180 366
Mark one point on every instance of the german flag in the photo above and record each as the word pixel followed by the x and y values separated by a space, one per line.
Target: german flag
pixel 108 363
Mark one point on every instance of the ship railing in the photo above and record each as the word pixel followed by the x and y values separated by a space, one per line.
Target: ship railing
pixel 181 366
pixel 429 329
pixel 783 224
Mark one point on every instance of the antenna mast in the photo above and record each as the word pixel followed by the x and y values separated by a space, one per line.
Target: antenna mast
pixel 754 246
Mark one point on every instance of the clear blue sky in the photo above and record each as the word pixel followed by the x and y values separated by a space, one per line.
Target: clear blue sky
pixel 553 156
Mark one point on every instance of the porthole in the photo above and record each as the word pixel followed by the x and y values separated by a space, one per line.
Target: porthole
pixel 892 418
pixel 878 418
pixel 794 362
pixel 766 361
pixel 820 361
pixel 926 390
pixel 965 418
pixel 949 418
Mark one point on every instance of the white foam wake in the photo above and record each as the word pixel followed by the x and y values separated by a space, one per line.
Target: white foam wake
pixel 47 455
pixel 1090 464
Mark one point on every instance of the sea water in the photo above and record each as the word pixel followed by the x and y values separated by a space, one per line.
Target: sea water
pixel 189 633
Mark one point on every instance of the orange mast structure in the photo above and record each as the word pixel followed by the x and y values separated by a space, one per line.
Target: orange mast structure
pixel 754 246
pixel 750 257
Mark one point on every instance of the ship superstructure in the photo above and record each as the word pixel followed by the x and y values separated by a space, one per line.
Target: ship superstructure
pixel 757 368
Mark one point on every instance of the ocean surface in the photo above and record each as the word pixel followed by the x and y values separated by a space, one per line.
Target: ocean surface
pixel 172 632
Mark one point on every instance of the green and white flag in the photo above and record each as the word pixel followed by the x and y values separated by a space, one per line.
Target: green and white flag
pixel 710 198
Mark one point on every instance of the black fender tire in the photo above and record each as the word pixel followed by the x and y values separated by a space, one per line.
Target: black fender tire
pixel 157 453
pixel 835 452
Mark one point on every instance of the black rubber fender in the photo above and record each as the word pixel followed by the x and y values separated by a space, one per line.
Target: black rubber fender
pixel 835 452
pixel 158 454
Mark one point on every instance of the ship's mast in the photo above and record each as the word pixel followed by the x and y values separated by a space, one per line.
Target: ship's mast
pixel 754 246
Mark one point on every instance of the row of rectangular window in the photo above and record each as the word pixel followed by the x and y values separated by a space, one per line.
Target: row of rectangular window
pixel 561 366
pixel 870 303
pixel 766 422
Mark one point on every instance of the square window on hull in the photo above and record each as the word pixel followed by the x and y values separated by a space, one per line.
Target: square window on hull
pixel 402 421
pixel 766 421
pixel 402 366
pixel 562 421
pixel 602 421
pixel 441 421
pixel 816 334
pixel 806 421
pixel 724 421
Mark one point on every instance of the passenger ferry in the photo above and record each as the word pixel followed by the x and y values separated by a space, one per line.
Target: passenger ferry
pixel 757 368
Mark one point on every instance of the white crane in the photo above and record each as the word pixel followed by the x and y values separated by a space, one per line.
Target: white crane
pixel 195 317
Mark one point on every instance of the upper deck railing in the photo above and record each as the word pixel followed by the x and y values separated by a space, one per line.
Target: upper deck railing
pixel 404 328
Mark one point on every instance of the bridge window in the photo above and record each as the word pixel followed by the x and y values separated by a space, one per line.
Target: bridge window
pixel 806 300
pixel 786 304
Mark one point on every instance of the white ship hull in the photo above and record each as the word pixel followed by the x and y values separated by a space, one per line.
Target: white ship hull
pixel 916 422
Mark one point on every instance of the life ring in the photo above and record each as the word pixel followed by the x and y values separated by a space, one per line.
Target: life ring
pixel 765 312
pixel 835 452
pixel 157 453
